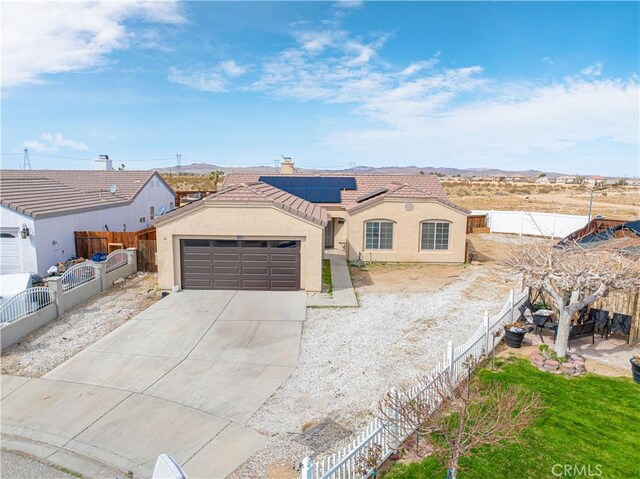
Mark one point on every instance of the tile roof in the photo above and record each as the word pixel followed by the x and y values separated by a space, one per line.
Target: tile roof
pixel 402 190
pixel 38 193
pixel 424 186
pixel 258 192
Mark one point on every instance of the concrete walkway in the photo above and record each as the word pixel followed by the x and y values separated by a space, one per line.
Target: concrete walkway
pixel 343 292
pixel 182 378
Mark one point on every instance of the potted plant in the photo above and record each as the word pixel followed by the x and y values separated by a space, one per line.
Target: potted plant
pixel 635 368
pixel 514 334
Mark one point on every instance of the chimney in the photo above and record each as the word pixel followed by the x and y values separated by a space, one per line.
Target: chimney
pixel 287 166
pixel 103 163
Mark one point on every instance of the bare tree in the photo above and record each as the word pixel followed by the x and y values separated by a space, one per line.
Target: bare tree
pixel 368 461
pixel 575 276
pixel 453 421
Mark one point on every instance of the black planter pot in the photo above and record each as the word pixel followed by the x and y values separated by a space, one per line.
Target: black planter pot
pixel 514 338
pixel 635 370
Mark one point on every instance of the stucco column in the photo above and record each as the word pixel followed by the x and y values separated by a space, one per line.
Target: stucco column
pixel 55 283
pixel 101 272
pixel 132 253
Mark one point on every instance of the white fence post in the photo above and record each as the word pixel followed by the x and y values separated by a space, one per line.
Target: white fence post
pixel 450 356
pixel 55 283
pixel 512 301
pixel 395 427
pixel 486 333
pixel 521 222
pixel 307 468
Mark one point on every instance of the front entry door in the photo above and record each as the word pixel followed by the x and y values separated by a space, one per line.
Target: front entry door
pixel 328 234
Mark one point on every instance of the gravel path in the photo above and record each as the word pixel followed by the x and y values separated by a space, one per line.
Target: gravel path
pixel 15 465
pixel 350 357
pixel 62 338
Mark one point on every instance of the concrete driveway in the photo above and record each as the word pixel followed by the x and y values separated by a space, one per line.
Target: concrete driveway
pixel 182 378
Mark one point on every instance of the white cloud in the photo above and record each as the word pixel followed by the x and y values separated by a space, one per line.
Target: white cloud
pixel 51 143
pixel 204 80
pixel 55 37
pixel 315 42
pixel 594 70
pixel 232 69
pixel 424 112
pixel 550 119
pixel 213 80
pixel 351 4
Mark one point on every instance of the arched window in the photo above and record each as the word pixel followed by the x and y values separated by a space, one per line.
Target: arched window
pixel 435 235
pixel 378 234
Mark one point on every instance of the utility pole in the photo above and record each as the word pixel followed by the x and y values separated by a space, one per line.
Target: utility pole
pixel 591 200
pixel 178 162
pixel 26 163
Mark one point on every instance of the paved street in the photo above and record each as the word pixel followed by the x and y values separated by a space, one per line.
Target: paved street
pixel 182 378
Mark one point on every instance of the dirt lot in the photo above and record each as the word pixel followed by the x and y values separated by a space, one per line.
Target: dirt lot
pixel 62 338
pixel 350 356
pixel 614 202
pixel 189 182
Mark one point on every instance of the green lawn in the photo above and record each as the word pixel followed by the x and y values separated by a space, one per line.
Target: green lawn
pixel 590 420
pixel 326 275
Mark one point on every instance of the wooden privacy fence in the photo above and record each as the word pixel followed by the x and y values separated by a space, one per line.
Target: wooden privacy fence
pixel 477 224
pixel 90 242
pixel 623 302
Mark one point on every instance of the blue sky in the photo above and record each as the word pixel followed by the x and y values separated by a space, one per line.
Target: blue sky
pixel 551 86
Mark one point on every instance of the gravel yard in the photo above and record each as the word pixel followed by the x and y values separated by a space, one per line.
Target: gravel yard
pixel 350 356
pixel 62 338
pixel 16 465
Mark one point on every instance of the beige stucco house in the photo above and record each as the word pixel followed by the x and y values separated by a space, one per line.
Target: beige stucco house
pixel 253 234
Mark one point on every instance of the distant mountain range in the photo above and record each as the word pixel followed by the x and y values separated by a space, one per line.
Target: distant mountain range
pixel 205 168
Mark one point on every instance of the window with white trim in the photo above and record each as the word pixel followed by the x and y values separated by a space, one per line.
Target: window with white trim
pixel 435 235
pixel 378 235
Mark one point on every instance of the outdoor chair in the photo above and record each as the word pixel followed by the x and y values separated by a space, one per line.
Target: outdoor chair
pixel 621 323
pixel 601 318
pixel 583 315
pixel 523 310
pixel 578 331
pixel 542 322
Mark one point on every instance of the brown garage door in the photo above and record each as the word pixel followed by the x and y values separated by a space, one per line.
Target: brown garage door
pixel 246 264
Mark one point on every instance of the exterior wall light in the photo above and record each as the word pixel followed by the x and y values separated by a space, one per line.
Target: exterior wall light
pixel 24 231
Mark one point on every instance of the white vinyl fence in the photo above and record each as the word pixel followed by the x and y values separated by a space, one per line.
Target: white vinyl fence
pixel 533 223
pixel 80 273
pixel 387 435
pixel 25 303
pixel 116 259
pixel 34 307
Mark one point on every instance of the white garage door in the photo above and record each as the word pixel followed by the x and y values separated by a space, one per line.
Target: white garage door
pixel 10 251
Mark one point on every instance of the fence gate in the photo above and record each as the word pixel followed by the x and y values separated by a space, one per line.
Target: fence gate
pixel 147 256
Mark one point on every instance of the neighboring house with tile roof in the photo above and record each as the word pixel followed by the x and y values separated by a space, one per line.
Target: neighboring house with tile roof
pixel 41 209
pixel 270 232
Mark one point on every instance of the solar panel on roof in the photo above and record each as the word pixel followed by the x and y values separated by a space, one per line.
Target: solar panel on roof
pixel 315 189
